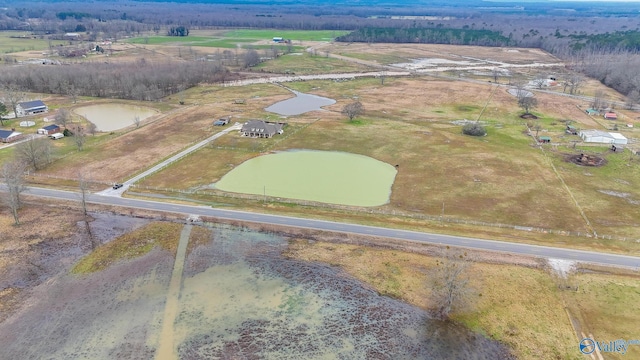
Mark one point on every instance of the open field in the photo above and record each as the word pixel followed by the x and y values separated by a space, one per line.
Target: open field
pixel 17 41
pixel 408 122
pixel 511 293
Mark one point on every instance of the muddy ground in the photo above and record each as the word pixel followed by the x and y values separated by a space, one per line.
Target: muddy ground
pixel 237 298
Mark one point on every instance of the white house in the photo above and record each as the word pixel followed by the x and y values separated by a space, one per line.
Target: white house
pixel 603 137
pixel 31 107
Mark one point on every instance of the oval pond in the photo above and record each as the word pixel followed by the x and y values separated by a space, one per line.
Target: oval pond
pixel 110 117
pixel 323 176
pixel 300 104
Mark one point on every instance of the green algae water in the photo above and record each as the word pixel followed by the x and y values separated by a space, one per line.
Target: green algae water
pixel 323 176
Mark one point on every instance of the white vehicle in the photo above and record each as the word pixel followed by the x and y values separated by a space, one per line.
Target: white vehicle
pixel 56 136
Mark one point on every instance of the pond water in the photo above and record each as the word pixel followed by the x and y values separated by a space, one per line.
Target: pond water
pixel 111 117
pixel 238 298
pixel 300 104
pixel 323 176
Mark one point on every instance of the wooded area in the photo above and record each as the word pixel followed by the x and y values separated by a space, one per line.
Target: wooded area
pixel 600 40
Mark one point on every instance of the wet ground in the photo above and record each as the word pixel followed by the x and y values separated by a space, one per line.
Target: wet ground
pixel 237 298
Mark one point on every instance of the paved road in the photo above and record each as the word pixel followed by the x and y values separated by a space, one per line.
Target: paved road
pixel 472 243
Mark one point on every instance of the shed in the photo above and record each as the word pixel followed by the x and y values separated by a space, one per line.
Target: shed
pixel 49 129
pixel 572 130
pixel 591 111
pixel 610 116
pixel 597 136
pixel 31 107
pixel 544 139
pixel 7 136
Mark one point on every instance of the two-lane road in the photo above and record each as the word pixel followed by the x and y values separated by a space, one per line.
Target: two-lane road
pixel 420 237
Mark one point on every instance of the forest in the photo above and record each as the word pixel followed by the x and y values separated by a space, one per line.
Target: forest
pixel 598 38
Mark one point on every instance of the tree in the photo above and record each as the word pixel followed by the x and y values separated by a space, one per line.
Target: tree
pixel 353 109
pixel 13 176
pixel 573 82
pixel 35 152
pixel 474 129
pixel 251 58
pixel 80 137
pixel 598 102
pixel 63 116
pixel 136 121
pixel 527 103
pixel 449 282
pixel 539 81
pixel 13 95
pixel 3 112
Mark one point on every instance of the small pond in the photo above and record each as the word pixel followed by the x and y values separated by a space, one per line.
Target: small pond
pixel 323 176
pixel 111 117
pixel 300 104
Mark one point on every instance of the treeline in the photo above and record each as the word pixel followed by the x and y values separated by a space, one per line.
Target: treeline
pixel 141 80
pixel 436 35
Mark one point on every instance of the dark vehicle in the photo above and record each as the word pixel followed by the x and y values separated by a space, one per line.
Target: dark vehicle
pixel 117 186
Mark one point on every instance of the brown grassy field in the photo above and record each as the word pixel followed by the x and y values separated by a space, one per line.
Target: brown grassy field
pixel 522 307
pixel 501 178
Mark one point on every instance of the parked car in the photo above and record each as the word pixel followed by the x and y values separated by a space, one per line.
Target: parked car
pixel 117 186
pixel 221 122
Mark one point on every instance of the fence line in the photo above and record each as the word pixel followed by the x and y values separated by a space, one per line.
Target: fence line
pixel 387 212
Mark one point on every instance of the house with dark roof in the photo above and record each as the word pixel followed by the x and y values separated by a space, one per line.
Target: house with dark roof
pixel 7 136
pixel 261 128
pixel 31 107
pixel 49 129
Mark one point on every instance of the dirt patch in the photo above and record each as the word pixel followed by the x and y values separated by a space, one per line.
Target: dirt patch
pixel 586 160
pixel 528 116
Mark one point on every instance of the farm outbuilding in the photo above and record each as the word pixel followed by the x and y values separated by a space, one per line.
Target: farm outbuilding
pixel 597 136
pixel 610 116
pixel 49 129
pixel 31 107
pixel 7 136
pixel 592 111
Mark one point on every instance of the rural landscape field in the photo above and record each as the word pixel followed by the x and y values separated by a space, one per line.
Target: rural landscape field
pixel 87 278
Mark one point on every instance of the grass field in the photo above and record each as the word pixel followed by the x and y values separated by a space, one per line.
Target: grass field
pixel 17 41
pixel 259 39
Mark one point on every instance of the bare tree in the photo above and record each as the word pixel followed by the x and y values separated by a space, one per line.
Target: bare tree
pixel 573 83
pixel 92 128
pixel 527 103
pixel 35 152
pixel 13 175
pixel 80 137
pixel 3 112
pixel 83 185
pixel 136 121
pixel 495 72
pixel 539 81
pixel 353 109
pixel 251 58
pixel 450 283
pixel 598 102
pixel 63 116
pixel 13 95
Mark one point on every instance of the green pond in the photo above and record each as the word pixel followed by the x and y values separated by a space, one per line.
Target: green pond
pixel 323 176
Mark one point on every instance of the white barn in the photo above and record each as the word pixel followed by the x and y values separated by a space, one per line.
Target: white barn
pixel 602 137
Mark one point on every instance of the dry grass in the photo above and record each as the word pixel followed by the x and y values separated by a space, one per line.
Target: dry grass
pixel 507 306
pixel 131 245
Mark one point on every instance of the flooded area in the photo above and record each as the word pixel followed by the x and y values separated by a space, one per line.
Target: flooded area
pixel 300 104
pixel 323 176
pixel 237 297
pixel 111 117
